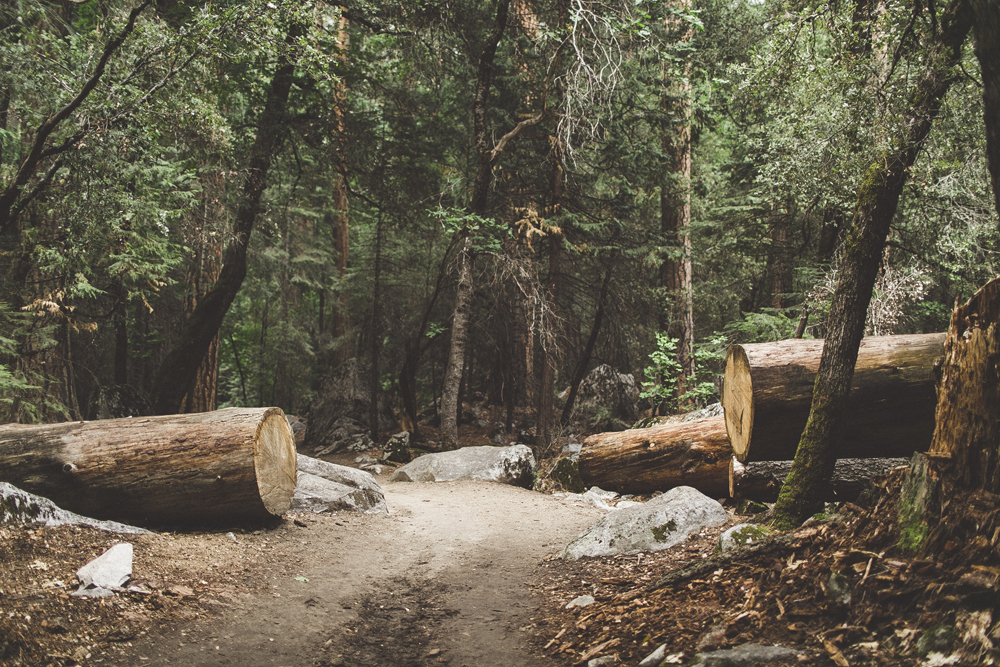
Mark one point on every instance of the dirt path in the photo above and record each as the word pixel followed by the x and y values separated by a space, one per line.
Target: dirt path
pixel 440 581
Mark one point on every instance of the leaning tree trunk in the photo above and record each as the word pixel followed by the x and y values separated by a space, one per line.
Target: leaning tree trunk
pixel 217 467
pixel 878 197
pixel 761 481
pixel 179 368
pixel 767 391
pixel 645 460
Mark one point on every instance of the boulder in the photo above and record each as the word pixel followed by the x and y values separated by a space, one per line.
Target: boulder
pixel 107 573
pixel 658 524
pixel 29 509
pixel 344 434
pixel 117 401
pixel 327 487
pixel 508 465
pixel 345 394
pixel 604 387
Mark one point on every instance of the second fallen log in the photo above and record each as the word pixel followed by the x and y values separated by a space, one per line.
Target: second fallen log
pixel 761 480
pixel 659 458
pixel 225 466
pixel 767 392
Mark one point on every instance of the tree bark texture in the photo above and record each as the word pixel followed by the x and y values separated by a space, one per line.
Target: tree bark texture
pixel 231 465
pixel 456 352
pixel 761 480
pixel 644 460
pixel 986 30
pixel 952 492
pixel 878 197
pixel 480 191
pixel 767 392
pixel 179 368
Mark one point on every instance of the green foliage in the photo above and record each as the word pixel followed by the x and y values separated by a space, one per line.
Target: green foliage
pixel 664 373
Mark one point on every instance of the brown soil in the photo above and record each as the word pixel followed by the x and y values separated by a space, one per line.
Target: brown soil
pixel 467 574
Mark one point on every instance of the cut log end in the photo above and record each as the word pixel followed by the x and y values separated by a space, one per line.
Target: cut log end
pixel 275 462
pixel 737 400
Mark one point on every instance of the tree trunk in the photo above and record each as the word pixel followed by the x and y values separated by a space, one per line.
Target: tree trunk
pixel 480 191
pixel 179 368
pixel 761 480
pixel 878 197
pixel 588 351
pixel 675 222
pixel 456 352
pixel 216 467
pixel 767 392
pixel 986 30
pixel 644 460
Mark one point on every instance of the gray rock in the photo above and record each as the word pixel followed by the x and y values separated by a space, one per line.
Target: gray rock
pixel 345 433
pixel 742 535
pixel 654 658
pixel 748 655
pixel 838 589
pixel 713 410
pixel 604 387
pixel 109 572
pixel 508 465
pixel 658 524
pixel 327 487
pixel 625 504
pixel 29 509
pixel 582 601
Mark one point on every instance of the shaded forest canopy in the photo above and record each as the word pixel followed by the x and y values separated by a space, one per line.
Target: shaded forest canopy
pixel 325 180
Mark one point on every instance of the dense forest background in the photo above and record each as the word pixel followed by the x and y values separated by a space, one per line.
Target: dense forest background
pixel 213 204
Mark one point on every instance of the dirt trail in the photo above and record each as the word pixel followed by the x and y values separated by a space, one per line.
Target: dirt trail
pixel 440 581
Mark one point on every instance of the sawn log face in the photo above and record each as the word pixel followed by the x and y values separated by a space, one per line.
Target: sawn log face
pixel 659 458
pixel 768 387
pixel 224 466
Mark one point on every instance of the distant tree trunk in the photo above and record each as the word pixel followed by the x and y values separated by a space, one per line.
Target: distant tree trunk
pixel 546 389
pixel 675 221
pixel 588 351
pixel 456 352
pixel 480 192
pixel 340 224
pixel 375 333
pixel 878 197
pixel 986 30
pixel 179 369
pixel 779 260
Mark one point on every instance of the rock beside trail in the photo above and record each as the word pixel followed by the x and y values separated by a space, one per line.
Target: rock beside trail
pixel 604 387
pixel 107 573
pixel 658 524
pixel 327 487
pixel 513 465
pixel 27 508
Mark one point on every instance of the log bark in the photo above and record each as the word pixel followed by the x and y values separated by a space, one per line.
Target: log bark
pixel 761 480
pixel 659 458
pixel 227 466
pixel 768 388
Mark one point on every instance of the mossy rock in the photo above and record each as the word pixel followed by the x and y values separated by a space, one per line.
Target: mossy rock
pixel 742 535
pixel 566 473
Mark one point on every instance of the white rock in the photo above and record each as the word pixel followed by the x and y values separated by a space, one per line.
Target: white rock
pixel 27 508
pixel 625 504
pixel 508 465
pixel 658 524
pixel 328 487
pixel 110 570
pixel 582 601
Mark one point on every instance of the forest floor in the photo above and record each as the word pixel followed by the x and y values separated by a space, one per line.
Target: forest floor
pixel 468 573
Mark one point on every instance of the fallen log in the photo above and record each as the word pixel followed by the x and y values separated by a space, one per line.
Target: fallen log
pixel 767 393
pixel 761 480
pixel 644 460
pixel 216 467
